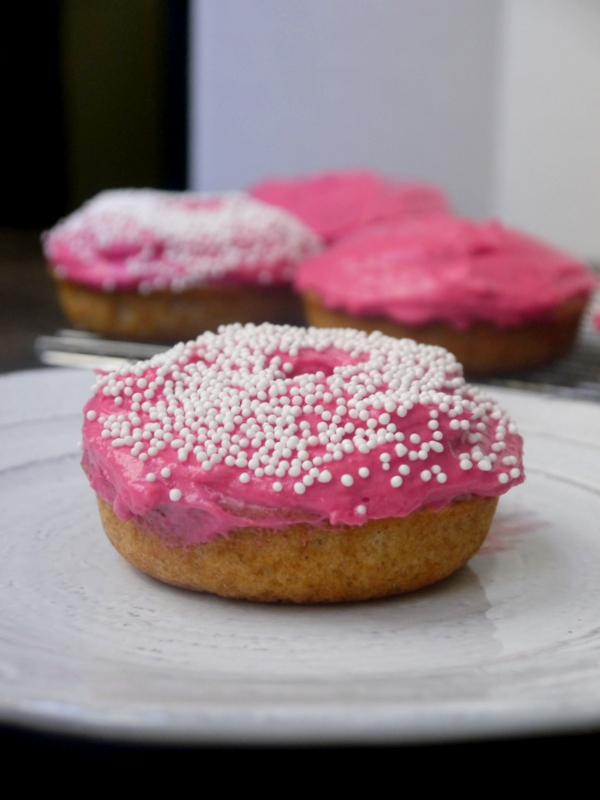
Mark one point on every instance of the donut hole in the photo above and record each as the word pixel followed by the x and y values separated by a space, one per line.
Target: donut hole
pixel 309 362
pixel 204 203
pixel 119 252
pixel 310 366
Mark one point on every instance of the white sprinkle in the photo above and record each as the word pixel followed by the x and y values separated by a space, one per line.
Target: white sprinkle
pixel 361 509
pixel 150 477
pixel 514 473
pixel 165 472
pixel 503 477
pixel 227 399
pixel 299 488
pixel 426 475
pixel 396 481
pixel 175 495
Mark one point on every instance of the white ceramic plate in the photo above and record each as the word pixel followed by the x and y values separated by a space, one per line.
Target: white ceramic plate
pixel 509 645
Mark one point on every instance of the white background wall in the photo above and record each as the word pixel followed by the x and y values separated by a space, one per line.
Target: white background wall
pixel 547 171
pixel 495 100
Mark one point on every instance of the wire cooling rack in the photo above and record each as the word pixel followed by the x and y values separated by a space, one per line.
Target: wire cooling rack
pixel 576 375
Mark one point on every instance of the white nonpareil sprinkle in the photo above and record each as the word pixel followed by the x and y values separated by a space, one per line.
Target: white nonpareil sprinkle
pixel 299 409
pixel 175 494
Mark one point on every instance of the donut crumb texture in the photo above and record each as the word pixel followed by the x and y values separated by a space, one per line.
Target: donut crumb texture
pixel 307 564
pixel 166 316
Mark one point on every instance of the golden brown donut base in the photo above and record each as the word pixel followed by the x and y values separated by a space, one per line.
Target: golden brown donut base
pixel 304 564
pixel 165 316
pixel 483 349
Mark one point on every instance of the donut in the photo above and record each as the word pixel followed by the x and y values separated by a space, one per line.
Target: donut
pixel 338 203
pixel 165 266
pixel 496 298
pixel 285 464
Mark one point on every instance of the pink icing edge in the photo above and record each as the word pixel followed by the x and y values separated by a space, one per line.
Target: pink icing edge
pixel 336 204
pixel 215 503
pixel 71 255
pixel 444 269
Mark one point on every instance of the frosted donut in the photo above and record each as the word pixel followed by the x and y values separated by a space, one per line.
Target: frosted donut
pixel 299 465
pixel 338 203
pixel 496 298
pixel 143 264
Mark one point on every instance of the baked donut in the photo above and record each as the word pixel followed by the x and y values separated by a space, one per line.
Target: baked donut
pixel 338 203
pixel 300 465
pixel 496 298
pixel 165 266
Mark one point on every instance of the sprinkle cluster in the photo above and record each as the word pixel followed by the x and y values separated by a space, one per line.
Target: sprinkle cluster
pixel 160 240
pixel 303 408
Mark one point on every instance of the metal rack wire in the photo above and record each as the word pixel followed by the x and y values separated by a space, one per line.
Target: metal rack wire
pixel 576 375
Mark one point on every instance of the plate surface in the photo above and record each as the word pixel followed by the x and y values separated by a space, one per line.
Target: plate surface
pixel 507 646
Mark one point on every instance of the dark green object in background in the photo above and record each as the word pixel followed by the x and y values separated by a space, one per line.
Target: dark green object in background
pixel 94 97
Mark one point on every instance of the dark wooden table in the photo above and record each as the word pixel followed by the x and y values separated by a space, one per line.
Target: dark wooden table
pixel 28 304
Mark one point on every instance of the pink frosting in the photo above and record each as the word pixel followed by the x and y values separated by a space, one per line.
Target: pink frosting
pixel 441 268
pixel 335 204
pixel 266 425
pixel 147 240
